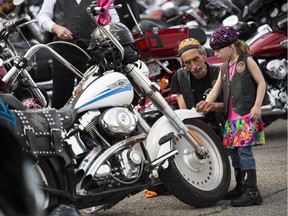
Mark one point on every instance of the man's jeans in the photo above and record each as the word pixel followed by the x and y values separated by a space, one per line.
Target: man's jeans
pixel 242 157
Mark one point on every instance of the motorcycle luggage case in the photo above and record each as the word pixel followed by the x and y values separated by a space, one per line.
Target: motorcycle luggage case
pixel 161 42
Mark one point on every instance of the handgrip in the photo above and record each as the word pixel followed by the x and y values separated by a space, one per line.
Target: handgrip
pixel 94 10
pixel 6 78
pixel 14 23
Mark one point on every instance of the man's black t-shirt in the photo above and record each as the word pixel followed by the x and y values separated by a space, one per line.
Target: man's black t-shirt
pixel 201 87
pixel 194 90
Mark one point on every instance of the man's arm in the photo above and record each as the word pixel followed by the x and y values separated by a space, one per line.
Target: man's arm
pixel 205 106
pixel 45 15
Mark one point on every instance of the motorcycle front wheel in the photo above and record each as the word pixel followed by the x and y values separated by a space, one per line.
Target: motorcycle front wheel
pixel 198 182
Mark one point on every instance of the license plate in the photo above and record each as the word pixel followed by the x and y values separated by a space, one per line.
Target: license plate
pixel 154 69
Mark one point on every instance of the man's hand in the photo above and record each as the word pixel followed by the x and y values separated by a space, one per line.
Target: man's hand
pixel 62 32
pixel 205 107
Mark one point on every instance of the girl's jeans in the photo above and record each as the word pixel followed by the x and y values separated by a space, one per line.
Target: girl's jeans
pixel 242 157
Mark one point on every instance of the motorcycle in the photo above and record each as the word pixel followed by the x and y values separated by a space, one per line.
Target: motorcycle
pixel 22 86
pixel 97 150
pixel 269 46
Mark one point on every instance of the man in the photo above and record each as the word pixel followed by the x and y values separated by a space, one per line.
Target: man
pixel 194 81
pixel 68 21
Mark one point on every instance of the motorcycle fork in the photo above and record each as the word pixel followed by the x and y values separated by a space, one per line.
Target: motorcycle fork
pixel 152 92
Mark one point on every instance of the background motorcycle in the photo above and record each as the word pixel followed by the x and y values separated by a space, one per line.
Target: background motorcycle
pixel 19 31
pixel 26 36
pixel 103 151
pixel 22 86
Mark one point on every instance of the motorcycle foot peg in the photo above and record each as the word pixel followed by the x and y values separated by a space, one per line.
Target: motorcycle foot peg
pixel 166 138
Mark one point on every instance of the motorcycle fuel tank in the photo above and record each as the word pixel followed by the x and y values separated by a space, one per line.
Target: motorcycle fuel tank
pixel 112 89
pixel 270 44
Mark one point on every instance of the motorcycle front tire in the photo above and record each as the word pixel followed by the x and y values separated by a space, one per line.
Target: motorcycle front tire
pixel 196 182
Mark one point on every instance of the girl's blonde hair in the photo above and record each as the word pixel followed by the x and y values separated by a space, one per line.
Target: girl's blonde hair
pixel 241 47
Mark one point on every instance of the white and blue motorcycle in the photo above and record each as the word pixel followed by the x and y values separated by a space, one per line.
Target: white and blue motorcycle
pixel 97 149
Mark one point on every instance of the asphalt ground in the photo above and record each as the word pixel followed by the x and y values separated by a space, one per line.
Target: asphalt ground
pixel 271 160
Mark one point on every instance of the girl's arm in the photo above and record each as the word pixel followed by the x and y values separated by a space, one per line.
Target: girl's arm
pixel 216 90
pixel 261 88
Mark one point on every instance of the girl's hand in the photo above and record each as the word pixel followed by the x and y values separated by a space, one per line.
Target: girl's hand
pixel 255 112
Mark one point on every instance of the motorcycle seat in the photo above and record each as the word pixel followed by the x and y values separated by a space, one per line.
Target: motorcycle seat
pixel 68 115
pixel 11 101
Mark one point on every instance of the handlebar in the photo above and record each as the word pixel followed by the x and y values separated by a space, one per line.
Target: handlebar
pixel 7 77
pixel 94 10
pixel 11 25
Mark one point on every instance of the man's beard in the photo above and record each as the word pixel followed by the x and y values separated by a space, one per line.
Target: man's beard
pixel 197 70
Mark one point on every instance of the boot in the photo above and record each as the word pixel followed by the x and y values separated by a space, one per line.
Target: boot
pixel 237 191
pixel 251 195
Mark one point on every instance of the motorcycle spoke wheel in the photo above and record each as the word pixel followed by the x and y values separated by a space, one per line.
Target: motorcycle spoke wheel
pixel 194 181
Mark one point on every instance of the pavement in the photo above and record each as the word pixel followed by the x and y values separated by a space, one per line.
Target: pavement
pixel 271 160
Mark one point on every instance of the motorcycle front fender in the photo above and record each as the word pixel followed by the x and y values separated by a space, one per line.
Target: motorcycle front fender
pixel 161 128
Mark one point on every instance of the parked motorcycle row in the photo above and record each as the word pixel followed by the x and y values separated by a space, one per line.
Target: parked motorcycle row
pixel 265 33
pixel 121 130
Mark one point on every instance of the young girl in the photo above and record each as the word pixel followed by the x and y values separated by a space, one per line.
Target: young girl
pixel 243 88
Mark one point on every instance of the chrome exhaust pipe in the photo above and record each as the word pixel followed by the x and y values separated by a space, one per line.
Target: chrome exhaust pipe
pixel 86 163
pixel 269 111
pixel 87 180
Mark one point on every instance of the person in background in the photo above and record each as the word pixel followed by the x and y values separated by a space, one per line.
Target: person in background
pixel 68 21
pixel 243 87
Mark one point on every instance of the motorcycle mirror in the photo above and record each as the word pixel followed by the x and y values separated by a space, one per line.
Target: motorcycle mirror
pixel 18 2
pixel 284 43
pixel 230 20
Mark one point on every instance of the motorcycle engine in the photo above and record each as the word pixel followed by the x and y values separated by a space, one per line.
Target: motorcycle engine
pixel 127 168
pixel 276 78
pixel 113 125
pixel 277 69
pixel 117 121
